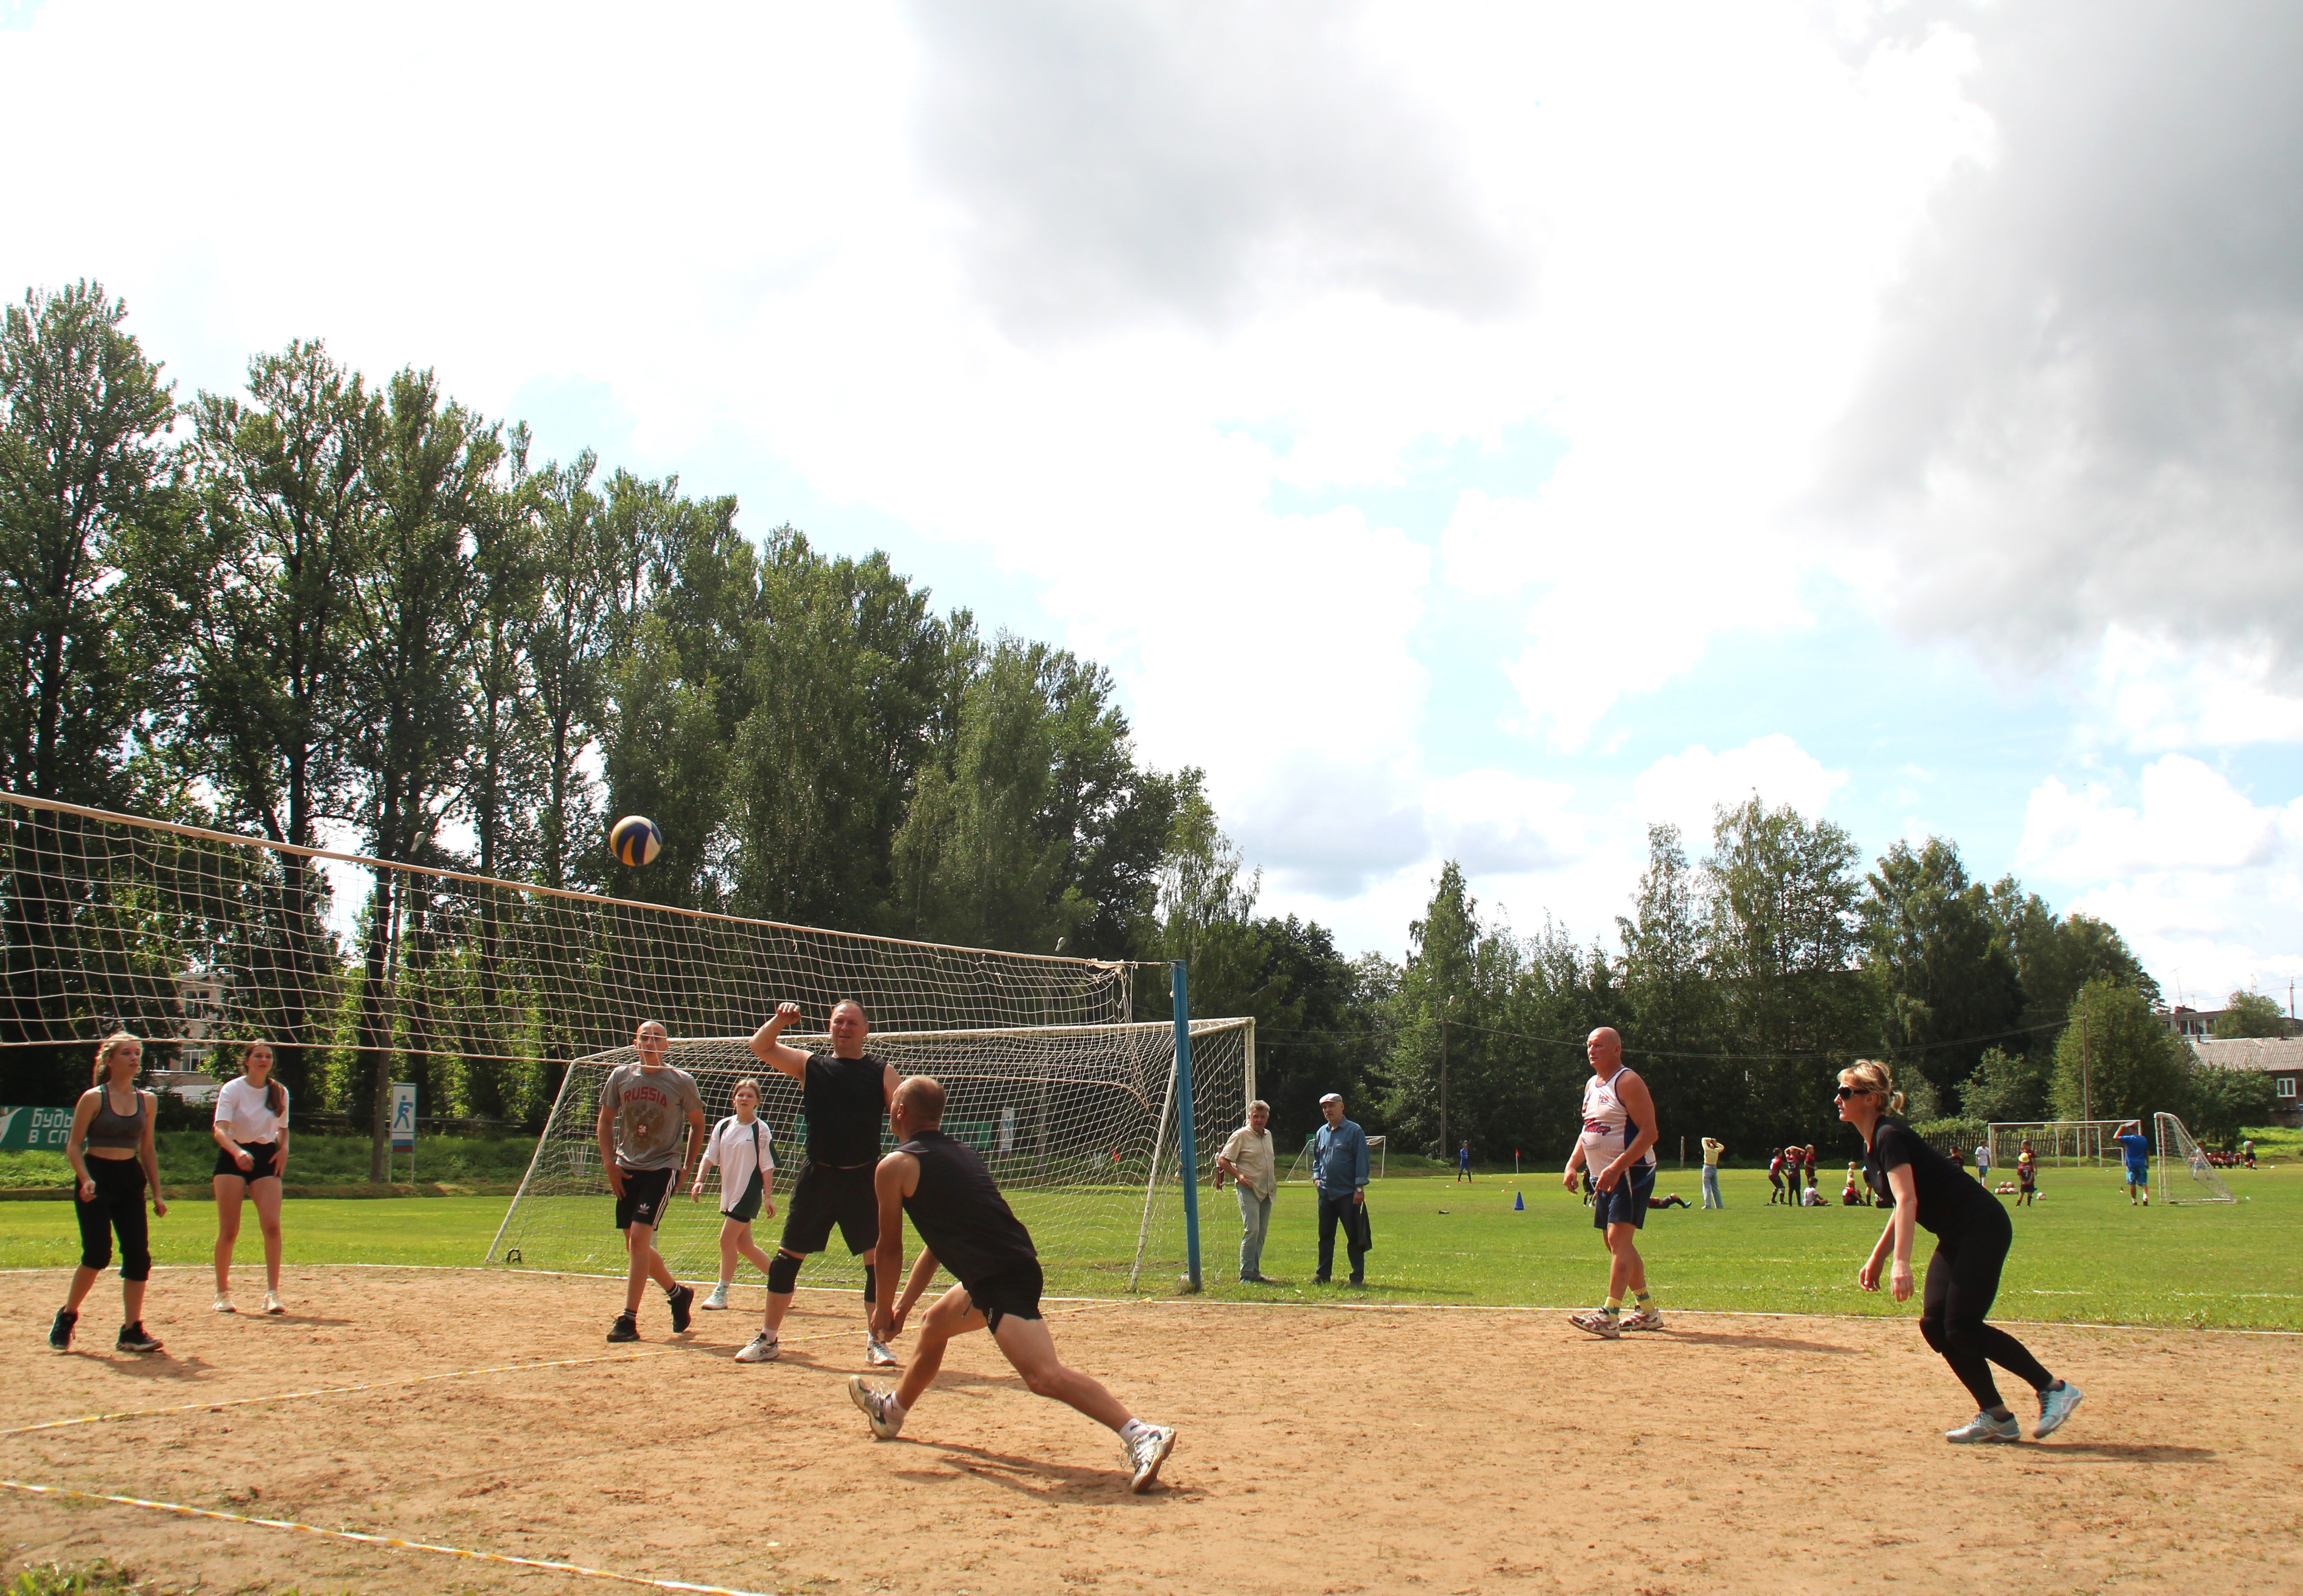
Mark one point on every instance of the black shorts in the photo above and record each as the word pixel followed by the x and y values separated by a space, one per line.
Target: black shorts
pixel 1012 1291
pixel 645 1194
pixel 266 1155
pixel 1627 1205
pixel 824 1195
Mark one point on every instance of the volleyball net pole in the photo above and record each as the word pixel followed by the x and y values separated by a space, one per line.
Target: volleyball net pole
pixel 1187 1145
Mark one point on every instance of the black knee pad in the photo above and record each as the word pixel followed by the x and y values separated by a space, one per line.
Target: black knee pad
pixel 783 1274
pixel 871 1284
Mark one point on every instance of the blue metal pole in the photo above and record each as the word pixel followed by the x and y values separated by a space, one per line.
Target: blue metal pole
pixel 1187 1146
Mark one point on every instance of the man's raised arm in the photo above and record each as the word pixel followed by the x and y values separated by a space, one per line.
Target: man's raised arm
pixel 774 1054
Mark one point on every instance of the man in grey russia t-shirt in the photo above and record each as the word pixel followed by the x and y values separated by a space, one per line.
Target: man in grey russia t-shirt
pixel 649 1112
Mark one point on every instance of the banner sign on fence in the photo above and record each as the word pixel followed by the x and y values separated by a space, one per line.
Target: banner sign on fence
pixel 22 1130
pixel 403 1116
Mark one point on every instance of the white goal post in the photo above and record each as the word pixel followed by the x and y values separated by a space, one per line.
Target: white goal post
pixel 1299 1173
pixel 2056 1144
pixel 1078 1123
pixel 2185 1175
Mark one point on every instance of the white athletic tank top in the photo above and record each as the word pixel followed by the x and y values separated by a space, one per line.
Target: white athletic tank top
pixel 1607 1126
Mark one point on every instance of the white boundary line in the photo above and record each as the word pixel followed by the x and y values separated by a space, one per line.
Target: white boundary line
pixel 1340 1307
pixel 361 1539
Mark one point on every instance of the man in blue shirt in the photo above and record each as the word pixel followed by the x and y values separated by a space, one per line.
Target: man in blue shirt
pixel 1339 1164
pixel 2136 1146
pixel 1463 1162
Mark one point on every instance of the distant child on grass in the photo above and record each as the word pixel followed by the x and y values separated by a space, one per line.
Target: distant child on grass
pixel 745 1153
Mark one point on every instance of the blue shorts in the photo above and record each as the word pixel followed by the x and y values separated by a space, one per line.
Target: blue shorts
pixel 1627 1205
pixel 2138 1175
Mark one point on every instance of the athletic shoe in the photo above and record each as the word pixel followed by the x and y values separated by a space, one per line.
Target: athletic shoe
pixel 1984 1427
pixel 1357 1281
pixel 1145 1454
pixel 134 1338
pixel 761 1348
pixel 1597 1322
pixel 879 1406
pixel 2055 1406
pixel 60 1332
pixel 223 1305
pixel 683 1308
pixel 717 1300
pixel 1642 1319
pixel 876 1353
pixel 625 1329
pixel 271 1303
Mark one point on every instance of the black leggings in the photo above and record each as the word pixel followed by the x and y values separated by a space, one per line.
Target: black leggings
pixel 1963 1278
pixel 119 1205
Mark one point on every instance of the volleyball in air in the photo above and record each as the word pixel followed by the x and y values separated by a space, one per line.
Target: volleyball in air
pixel 635 840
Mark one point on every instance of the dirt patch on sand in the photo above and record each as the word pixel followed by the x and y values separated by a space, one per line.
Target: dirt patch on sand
pixel 1324 1451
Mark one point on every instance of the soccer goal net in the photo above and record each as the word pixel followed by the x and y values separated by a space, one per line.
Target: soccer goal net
pixel 2185 1175
pixel 2056 1144
pixel 1078 1123
pixel 1299 1173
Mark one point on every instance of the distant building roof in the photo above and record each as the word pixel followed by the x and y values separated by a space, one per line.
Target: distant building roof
pixel 2250 1052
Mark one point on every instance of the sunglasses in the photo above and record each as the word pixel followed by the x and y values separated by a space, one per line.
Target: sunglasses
pixel 1844 1093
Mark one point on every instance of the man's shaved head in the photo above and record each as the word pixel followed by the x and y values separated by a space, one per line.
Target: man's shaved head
pixel 921 1099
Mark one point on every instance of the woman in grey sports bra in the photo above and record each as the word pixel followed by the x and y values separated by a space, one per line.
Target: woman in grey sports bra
pixel 110 1151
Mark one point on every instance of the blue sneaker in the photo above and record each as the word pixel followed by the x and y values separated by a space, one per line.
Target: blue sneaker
pixel 2055 1406
pixel 1983 1427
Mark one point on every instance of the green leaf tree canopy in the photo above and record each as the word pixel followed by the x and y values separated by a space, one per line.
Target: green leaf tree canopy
pixel 2116 1059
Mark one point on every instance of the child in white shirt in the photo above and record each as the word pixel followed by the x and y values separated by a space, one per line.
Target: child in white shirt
pixel 744 1153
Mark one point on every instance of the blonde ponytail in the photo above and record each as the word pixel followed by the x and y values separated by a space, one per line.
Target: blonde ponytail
pixel 103 1055
pixel 1879 1079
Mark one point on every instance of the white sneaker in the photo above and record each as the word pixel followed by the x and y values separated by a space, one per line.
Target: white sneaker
pixel 879 1408
pixel 2054 1407
pixel 271 1304
pixel 223 1305
pixel 1597 1322
pixel 717 1299
pixel 1983 1427
pixel 761 1348
pixel 1647 1318
pixel 1145 1454
pixel 876 1353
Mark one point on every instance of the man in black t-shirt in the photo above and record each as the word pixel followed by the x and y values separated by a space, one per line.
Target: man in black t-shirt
pixel 965 1224
pixel 845 1094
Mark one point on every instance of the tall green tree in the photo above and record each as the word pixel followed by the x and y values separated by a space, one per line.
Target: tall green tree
pixel 2054 957
pixel 87 507
pixel 87 489
pixel 2115 1058
pixel 2251 1014
pixel 570 644
pixel 1670 1019
pixel 1780 939
pixel 287 513
pixel 415 617
pixel 1943 978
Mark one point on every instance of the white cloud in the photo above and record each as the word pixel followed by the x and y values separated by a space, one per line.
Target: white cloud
pixel 2151 693
pixel 1685 788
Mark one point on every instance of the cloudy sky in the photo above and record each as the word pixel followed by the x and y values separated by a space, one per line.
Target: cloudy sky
pixel 1468 431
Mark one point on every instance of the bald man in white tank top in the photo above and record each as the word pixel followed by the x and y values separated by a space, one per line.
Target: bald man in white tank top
pixel 1617 1145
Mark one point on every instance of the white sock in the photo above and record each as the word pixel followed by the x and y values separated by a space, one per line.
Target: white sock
pixel 1134 1429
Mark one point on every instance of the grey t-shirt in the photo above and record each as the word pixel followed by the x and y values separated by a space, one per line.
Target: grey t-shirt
pixel 652 1107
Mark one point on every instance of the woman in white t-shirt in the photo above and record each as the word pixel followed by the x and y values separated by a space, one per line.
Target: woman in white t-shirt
pixel 745 1155
pixel 252 1135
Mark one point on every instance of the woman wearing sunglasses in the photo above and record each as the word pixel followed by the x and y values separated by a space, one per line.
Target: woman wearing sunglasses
pixel 1972 1235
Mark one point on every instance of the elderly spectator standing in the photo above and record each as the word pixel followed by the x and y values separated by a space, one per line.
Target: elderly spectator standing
pixel 1246 1160
pixel 1339 1164
pixel 1712 1148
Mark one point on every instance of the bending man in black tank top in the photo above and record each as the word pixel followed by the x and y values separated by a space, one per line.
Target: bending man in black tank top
pixel 1973 1235
pixel 845 1094
pixel 967 1225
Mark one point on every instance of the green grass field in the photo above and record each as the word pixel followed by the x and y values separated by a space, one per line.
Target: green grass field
pixel 188 1160
pixel 2081 1254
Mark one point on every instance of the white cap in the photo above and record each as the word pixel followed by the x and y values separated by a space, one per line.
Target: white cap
pixel 1331 1097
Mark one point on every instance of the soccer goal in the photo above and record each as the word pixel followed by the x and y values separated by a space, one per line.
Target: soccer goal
pixel 1078 1123
pixel 2185 1175
pixel 2056 1144
pixel 1299 1173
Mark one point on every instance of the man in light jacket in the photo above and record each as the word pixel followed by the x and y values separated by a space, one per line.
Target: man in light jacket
pixel 1246 1161
pixel 1339 1164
